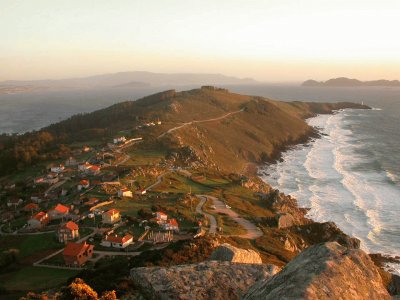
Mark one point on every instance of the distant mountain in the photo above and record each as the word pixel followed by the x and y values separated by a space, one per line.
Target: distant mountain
pixel 134 79
pixel 347 82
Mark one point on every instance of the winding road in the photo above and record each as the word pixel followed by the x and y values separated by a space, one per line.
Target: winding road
pixel 200 121
pixel 211 218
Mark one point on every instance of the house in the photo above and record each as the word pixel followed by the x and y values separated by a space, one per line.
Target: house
pixel 68 231
pixel 125 192
pixel 31 207
pixel 83 184
pixel 39 220
pixel 91 201
pixel 162 216
pixel 140 192
pixel 14 202
pixel 83 167
pixel 117 241
pixel 70 162
pixel 119 140
pixel 111 216
pixel 93 170
pixel 58 212
pixel 52 178
pixel 77 254
pixel 86 149
pixel 171 224
pixel 57 169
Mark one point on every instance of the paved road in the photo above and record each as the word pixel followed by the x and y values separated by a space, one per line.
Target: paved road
pixel 201 121
pixel 211 218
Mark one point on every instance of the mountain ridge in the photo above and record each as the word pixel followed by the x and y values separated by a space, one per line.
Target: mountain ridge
pixel 348 82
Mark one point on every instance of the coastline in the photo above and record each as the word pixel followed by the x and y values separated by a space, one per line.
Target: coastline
pixel 385 261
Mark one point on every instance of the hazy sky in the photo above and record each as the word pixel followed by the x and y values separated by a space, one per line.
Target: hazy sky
pixel 271 40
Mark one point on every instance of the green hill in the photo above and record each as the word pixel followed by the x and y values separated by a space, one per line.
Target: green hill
pixel 257 131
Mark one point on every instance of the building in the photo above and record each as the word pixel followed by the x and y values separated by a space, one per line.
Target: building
pixel 111 216
pixel 51 178
pixel 92 201
pixel 57 169
pixel 93 170
pixel 31 207
pixel 14 202
pixel 141 192
pixel 161 215
pixel 119 140
pixel 39 220
pixel 83 167
pixel 171 224
pixel 58 212
pixel 125 192
pixel 83 184
pixel 117 241
pixel 67 232
pixel 77 254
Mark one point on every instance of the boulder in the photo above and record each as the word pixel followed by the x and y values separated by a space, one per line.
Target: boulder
pixel 227 252
pixel 324 271
pixel 284 220
pixel 207 280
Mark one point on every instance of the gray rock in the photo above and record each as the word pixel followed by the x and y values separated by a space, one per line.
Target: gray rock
pixel 227 252
pixel 324 271
pixel 208 280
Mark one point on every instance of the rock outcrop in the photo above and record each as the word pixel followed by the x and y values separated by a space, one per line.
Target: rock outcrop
pixel 208 280
pixel 324 271
pixel 227 252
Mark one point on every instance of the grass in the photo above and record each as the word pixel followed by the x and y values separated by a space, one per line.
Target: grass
pixel 174 183
pixel 140 157
pixel 35 278
pixel 29 245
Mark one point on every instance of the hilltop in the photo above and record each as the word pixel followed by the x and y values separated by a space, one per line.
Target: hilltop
pixel 246 129
pixel 347 82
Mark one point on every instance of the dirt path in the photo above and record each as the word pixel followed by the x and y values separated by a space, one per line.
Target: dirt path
pixel 253 231
pixel 200 121
pixel 211 218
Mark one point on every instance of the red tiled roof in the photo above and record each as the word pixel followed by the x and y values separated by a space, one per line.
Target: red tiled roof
pixel 173 222
pixel 161 213
pixel 71 226
pixel 84 182
pixel 39 215
pixel 118 239
pixel 74 249
pixel 61 208
pixel 94 168
pixel 31 206
pixel 112 212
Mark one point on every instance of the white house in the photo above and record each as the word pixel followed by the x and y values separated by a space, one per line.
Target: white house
pixel 57 169
pixel 83 184
pixel 83 167
pixel 140 192
pixel 14 202
pixel 171 224
pixel 119 140
pixel 124 192
pixel 117 241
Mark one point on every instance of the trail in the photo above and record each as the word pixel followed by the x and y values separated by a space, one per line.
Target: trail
pixel 200 121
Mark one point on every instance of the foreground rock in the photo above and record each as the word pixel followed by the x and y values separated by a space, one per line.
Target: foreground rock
pixel 227 252
pixel 207 280
pixel 324 271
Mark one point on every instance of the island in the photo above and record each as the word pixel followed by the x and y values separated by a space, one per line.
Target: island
pixel 347 82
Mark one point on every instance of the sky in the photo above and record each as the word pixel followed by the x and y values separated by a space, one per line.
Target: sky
pixel 269 40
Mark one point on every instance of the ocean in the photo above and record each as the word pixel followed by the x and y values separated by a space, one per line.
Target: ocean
pixel 351 175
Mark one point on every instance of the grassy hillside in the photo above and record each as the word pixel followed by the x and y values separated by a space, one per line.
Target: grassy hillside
pixel 257 133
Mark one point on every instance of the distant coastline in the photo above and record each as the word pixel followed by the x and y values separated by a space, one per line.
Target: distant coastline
pixel 347 82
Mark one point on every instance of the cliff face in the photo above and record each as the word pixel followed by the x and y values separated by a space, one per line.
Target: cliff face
pixel 324 271
pixel 227 252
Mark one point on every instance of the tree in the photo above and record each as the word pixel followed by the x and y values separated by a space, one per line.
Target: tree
pixel 78 289
pixel 108 295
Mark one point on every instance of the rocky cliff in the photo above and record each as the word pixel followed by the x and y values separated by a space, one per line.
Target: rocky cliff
pixel 206 280
pixel 227 252
pixel 324 271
